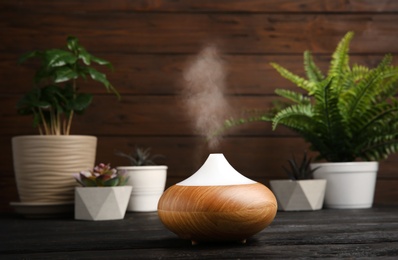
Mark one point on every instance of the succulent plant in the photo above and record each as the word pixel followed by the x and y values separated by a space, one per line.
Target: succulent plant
pixel 300 171
pixel 140 156
pixel 102 175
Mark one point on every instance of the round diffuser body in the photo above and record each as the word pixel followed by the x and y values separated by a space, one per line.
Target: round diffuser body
pixel 217 204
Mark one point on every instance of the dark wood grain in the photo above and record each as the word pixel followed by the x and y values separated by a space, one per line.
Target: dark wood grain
pixel 151 42
pixel 187 33
pixel 149 74
pixel 368 233
pixel 250 6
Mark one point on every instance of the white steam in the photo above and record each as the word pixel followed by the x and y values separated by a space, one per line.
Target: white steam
pixel 204 101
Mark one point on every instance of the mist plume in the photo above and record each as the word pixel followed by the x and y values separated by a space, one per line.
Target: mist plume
pixel 204 100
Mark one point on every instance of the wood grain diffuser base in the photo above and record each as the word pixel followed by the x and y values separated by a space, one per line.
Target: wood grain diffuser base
pixel 217 204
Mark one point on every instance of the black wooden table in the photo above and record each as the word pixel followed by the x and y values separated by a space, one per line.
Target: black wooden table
pixel 320 234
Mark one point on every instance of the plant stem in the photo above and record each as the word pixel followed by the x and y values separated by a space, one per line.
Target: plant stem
pixel 43 119
pixel 72 112
pixel 69 123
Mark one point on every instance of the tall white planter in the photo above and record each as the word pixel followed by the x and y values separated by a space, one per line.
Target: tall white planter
pixel 148 184
pixel 350 185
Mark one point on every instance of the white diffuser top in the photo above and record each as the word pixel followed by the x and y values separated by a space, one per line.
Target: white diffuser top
pixel 216 171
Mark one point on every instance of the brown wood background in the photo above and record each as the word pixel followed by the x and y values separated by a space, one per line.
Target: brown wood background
pixel 150 42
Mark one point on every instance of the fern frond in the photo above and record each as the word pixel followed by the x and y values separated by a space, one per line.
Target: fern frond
pixel 358 72
pixel 326 109
pixel 379 147
pixel 390 78
pixel 298 117
pixel 379 114
pixel 293 96
pixel 313 72
pixel 340 61
pixel 299 81
pixel 232 122
pixel 362 96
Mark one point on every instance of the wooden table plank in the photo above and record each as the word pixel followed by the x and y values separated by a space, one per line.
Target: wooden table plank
pixel 325 233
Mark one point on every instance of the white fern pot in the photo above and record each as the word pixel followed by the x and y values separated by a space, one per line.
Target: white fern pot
pixel 148 184
pixel 44 165
pixel 299 195
pixel 101 203
pixel 350 185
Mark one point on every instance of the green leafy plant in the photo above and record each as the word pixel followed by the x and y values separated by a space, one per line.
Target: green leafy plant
pixel 55 97
pixel 140 156
pixel 300 171
pixel 102 175
pixel 348 114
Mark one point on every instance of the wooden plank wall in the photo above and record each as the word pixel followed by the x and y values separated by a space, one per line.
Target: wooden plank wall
pixel 150 43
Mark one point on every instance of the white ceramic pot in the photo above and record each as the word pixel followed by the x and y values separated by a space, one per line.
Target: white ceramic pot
pixel 44 165
pixel 148 184
pixel 350 185
pixel 101 203
pixel 299 194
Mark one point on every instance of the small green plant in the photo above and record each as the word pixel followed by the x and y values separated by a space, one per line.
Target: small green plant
pixel 140 156
pixel 102 175
pixel 348 114
pixel 300 171
pixel 55 97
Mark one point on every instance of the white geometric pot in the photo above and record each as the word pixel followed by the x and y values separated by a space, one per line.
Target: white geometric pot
pixel 350 185
pixel 101 203
pixel 44 165
pixel 148 184
pixel 299 195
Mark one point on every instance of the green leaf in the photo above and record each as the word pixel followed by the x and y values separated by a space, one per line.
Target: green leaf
pixel 81 102
pixel 111 182
pixel 29 55
pixel 100 77
pixel 72 43
pixel 87 182
pixel 101 61
pixel 58 58
pixel 63 74
pixel 85 56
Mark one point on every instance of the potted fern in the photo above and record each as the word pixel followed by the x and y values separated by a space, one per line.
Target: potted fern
pixel 147 178
pixel 348 116
pixel 104 194
pixel 301 191
pixel 44 163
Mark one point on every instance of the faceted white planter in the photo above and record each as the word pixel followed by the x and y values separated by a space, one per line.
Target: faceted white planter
pixel 299 195
pixel 350 185
pixel 101 203
pixel 44 165
pixel 148 184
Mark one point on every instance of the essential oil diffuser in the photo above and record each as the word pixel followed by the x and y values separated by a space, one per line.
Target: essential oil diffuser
pixel 217 203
